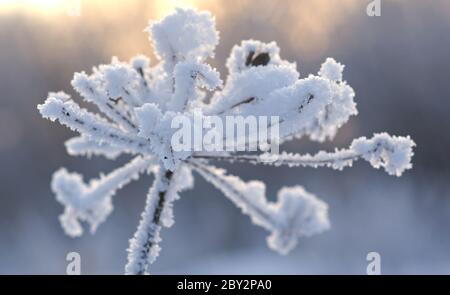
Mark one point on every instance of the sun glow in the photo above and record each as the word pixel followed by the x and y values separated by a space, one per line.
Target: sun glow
pixel 159 8
pixel 165 7
pixel 120 22
pixel 39 6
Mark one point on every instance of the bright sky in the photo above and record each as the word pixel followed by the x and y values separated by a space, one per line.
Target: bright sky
pixel 44 5
pixel 73 6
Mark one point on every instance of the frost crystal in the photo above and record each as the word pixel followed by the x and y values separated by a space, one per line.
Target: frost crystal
pixel 138 102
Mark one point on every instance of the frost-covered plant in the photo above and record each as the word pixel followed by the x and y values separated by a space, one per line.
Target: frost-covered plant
pixel 139 102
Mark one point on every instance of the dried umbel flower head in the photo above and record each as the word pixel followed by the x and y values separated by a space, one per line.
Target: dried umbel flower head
pixel 138 102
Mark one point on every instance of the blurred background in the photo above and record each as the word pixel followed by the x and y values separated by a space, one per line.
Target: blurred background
pixel 398 63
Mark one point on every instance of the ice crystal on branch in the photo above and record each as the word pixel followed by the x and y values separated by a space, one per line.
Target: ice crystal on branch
pixel 138 101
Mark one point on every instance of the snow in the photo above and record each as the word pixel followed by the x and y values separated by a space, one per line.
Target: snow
pixel 239 61
pixel 332 70
pixel 257 83
pixel 119 79
pixel 140 62
pixel 184 35
pixel 299 214
pixel 342 105
pixel 393 153
pixel 188 76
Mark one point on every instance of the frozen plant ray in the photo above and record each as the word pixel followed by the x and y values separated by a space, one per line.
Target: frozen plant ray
pixel 393 153
pixel 138 101
pixel 295 214
pixel 84 146
pixel 92 202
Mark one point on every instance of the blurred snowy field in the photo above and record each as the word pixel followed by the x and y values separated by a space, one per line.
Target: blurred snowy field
pixel 397 218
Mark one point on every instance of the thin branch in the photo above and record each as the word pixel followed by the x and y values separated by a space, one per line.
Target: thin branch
pixel 144 246
pixel 91 202
pixel 295 214
pixel 393 153
pixel 106 104
pixel 228 184
pixel 286 159
pixel 60 107
pixel 85 146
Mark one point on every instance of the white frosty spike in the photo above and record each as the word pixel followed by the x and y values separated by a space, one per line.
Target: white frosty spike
pixel 393 153
pixel 189 76
pixel 251 87
pixel 84 146
pixel 92 90
pixel 144 246
pixel 184 35
pixel 156 128
pixel 92 202
pixel 295 214
pixel 252 52
pixel 340 109
pixel 332 70
pixel 60 107
pixel 300 214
